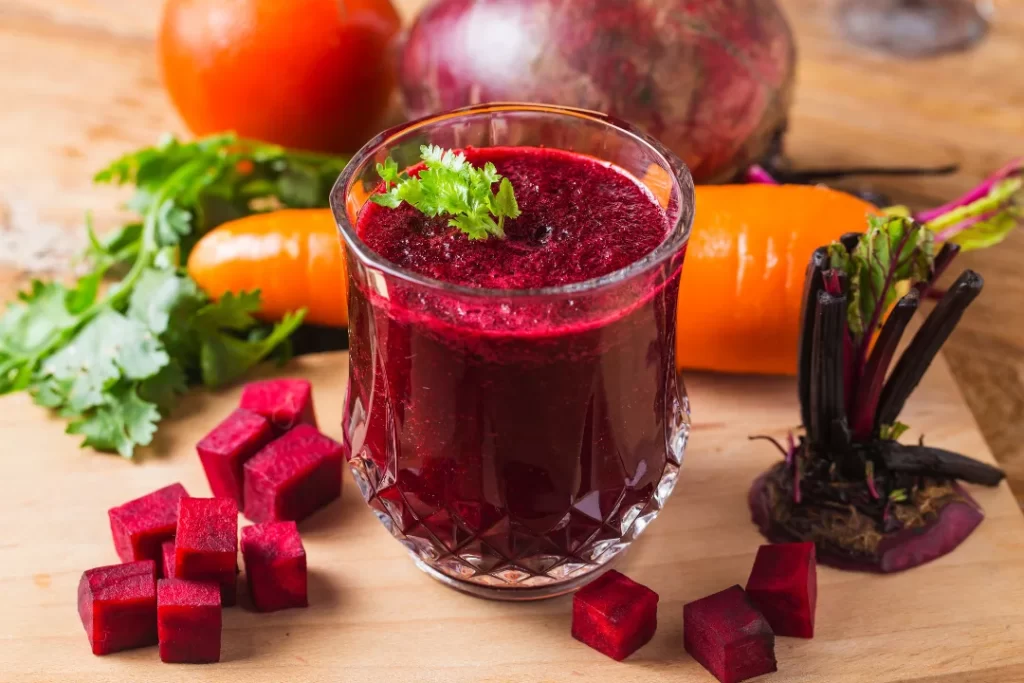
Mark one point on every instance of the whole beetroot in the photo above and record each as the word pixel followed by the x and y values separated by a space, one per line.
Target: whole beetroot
pixel 712 80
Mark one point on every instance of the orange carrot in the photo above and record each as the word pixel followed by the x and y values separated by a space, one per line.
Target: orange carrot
pixel 739 303
pixel 292 256
pixel 743 277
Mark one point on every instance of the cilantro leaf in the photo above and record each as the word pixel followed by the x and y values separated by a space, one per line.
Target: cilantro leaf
pixel 225 357
pixel 107 348
pixel 120 423
pixel 112 362
pixel 449 185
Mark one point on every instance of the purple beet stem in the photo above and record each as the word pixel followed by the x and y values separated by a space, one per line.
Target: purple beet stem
pixel 756 174
pixel 1015 166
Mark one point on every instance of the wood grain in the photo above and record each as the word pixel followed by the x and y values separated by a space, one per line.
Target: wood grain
pixel 80 87
pixel 375 617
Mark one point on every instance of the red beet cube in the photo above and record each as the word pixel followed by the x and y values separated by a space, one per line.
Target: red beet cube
pixel 117 605
pixel 285 402
pixel 224 451
pixel 189 621
pixel 784 585
pixel 168 556
pixel 141 526
pixel 275 565
pixel 728 636
pixel 293 476
pixel 206 548
pixel 614 615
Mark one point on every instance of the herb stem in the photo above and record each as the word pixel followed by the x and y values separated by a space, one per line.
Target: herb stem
pixel 143 260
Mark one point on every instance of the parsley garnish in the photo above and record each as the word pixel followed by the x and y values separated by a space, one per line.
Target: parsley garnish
pixel 114 363
pixel 450 185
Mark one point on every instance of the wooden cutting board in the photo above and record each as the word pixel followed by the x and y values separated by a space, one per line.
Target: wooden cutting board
pixel 375 617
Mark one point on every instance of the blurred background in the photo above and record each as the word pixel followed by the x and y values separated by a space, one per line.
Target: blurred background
pixel 921 83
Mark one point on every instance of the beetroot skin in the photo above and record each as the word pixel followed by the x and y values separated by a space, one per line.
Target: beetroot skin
pixel 954 516
pixel 225 450
pixel 206 548
pixel 285 402
pixel 784 585
pixel 726 634
pixel 614 615
pixel 188 621
pixel 141 526
pixel 275 566
pixel 293 476
pixel 711 80
pixel 117 605
pixel 168 559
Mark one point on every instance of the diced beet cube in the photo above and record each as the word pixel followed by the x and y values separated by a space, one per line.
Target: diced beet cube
pixel 141 526
pixel 275 565
pixel 206 548
pixel 189 621
pixel 168 556
pixel 614 615
pixel 293 476
pixel 117 605
pixel 285 402
pixel 728 636
pixel 224 450
pixel 784 585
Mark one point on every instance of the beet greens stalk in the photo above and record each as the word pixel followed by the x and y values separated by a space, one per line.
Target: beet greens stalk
pixel 867 501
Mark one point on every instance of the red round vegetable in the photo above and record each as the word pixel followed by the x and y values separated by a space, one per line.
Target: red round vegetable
pixel 712 80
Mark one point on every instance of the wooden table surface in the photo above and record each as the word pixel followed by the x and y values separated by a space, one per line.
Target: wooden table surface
pixel 375 618
pixel 79 87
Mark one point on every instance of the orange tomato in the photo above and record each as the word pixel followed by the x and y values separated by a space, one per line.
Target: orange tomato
pixel 316 74
pixel 292 256
pixel 740 296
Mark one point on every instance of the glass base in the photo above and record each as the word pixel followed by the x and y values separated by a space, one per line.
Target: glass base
pixel 503 560
pixel 514 594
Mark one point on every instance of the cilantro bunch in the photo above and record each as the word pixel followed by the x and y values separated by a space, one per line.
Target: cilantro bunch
pixel 114 360
pixel 449 185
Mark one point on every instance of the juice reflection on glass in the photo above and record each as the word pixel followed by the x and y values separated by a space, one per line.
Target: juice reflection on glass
pixel 514 416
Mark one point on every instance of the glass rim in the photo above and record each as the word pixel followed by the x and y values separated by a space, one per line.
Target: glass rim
pixel 676 239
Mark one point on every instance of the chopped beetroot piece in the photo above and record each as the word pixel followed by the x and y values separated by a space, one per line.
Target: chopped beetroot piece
pixel 728 636
pixel 275 565
pixel 141 526
pixel 168 559
pixel 285 402
pixel 614 615
pixel 206 548
pixel 117 605
pixel 784 585
pixel 293 476
pixel 189 621
pixel 224 450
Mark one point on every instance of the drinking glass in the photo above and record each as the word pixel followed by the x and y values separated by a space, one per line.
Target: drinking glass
pixel 913 28
pixel 515 441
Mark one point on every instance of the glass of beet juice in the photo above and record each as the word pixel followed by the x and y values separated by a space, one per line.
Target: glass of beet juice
pixel 514 415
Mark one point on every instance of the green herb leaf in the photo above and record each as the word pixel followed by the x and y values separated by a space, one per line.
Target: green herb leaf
pixel 893 431
pixel 112 363
pixel 120 423
pixel 449 185
pixel 224 357
pixel 898 495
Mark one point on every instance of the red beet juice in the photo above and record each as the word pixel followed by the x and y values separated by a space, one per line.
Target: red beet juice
pixel 518 439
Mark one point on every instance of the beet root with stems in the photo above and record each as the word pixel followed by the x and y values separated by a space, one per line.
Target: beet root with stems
pixel 865 500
